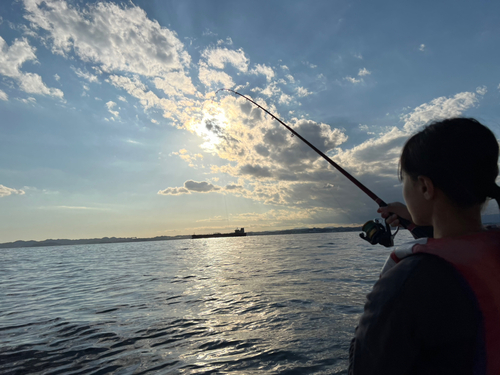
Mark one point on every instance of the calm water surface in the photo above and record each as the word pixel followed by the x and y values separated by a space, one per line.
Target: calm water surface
pixel 255 305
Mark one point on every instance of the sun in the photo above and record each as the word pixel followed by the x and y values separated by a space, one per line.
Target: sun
pixel 211 127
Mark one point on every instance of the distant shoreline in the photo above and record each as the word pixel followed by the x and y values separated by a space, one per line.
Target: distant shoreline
pixel 92 241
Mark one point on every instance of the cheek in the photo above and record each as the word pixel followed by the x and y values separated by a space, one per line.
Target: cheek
pixel 410 201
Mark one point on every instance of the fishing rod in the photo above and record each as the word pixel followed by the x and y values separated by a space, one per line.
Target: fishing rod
pixel 375 231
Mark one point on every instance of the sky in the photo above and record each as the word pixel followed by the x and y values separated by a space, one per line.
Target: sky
pixel 110 126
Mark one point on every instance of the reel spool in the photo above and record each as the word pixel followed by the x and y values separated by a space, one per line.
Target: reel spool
pixel 377 231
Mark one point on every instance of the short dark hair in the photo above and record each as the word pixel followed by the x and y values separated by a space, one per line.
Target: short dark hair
pixel 459 155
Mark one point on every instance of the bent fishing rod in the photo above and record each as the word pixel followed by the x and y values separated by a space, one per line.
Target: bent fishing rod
pixel 375 231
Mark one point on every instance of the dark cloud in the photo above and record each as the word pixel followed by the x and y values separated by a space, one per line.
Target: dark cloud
pixel 262 150
pixel 191 186
pixel 276 137
pixel 255 171
pixel 173 191
pixel 200 187
pixel 233 187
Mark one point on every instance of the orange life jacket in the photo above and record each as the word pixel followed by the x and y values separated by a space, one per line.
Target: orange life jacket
pixel 477 258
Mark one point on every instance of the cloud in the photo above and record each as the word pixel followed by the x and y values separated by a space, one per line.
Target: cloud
pixel 228 41
pixel 379 156
pixel 3 96
pixel 209 77
pixel 190 159
pixel 174 191
pixel 85 75
pixel 11 60
pixel 219 57
pixel 110 105
pixel 114 37
pixel 353 80
pixel 6 191
pixel 56 77
pixel 233 187
pixel 32 83
pixel 364 72
pixel 438 109
pixel 175 84
pixel 179 111
pixel 191 186
pixel 255 171
pixel 482 90
pixel 264 70
pixel 310 65
pixel 422 47
pixel 301 92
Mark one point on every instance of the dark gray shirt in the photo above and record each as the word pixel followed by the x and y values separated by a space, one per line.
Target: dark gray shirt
pixel 420 318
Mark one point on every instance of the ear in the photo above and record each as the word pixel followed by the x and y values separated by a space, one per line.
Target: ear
pixel 426 187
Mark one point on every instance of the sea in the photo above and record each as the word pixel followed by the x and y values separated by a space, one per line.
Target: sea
pixel 276 304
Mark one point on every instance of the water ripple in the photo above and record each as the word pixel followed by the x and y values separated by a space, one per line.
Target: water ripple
pixel 254 305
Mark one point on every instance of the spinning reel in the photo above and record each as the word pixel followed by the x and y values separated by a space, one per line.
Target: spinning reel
pixel 377 231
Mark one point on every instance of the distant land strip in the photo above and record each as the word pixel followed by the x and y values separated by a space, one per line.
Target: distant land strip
pixel 63 242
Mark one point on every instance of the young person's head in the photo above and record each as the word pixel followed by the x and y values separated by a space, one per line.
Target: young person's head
pixel 458 158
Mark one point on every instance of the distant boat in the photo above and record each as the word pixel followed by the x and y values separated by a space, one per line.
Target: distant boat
pixel 237 233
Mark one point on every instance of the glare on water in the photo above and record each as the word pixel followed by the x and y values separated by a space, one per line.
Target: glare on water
pixel 250 305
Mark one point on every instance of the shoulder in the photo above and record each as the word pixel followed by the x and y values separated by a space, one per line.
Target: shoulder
pixel 434 293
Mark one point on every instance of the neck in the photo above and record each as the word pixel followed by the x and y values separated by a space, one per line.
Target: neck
pixel 453 221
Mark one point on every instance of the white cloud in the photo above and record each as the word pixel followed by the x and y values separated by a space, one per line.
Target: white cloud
pixel 122 99
pixel 32 83
pixel 218 57
pixel 290 78
pixel 264 70
pixel 85 75
pixel 285 99
pixel 358 56
pixel 209 77
pixel 364 72
pixel 188 158
pixel 175 84
pixel 310 65
pixel 481 90
pixel 11 60
pixel 29 100
pixel 228 41
pixel 380 155
pixel 110 105
pixel 57 78
pixel 117 38
pixel 301 91
pixel 13 57
pixel 5 191
pixel 438 109
pixel 3 96
pixel 422 47
pixel 353 80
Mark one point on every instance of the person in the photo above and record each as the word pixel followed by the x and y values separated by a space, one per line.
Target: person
pixel 436 306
